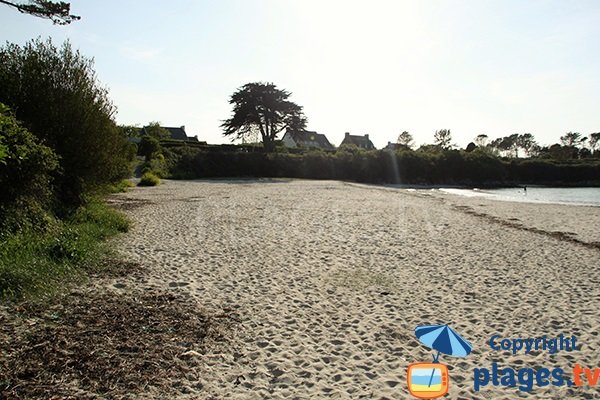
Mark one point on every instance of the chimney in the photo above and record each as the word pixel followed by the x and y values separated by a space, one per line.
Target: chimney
pixel 347 134
pixel 367 136
pixel 183 128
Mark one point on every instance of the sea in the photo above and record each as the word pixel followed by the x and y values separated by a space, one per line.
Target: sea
pixel 585 196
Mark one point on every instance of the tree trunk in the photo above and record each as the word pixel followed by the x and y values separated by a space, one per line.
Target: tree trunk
pixel 268 144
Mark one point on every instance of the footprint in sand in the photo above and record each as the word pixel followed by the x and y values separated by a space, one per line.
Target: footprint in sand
pixel 178 284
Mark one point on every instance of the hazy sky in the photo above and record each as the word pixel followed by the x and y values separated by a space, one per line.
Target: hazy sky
pixel 376 67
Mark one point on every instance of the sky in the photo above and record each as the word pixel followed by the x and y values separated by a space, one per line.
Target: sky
pixel 365 67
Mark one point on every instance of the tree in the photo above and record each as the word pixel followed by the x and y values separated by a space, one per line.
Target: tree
pixel 406 139
pixel 149 147
pixel 594 140
pixel 264 108
pixel 130 131
pixel 572 139
pixel 481 140
pixel 55 93
pixel 507 144
pixel 59 12
pixel 558 152
pixel 443 139
pixel 156 131
pixel 526 142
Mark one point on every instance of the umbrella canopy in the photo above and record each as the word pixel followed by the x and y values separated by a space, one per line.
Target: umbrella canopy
pixel 443 339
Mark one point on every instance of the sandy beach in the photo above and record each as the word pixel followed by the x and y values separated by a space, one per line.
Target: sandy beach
pixel 328 281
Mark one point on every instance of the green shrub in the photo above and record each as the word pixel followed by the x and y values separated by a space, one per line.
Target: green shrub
pixel 120 187
pixel 429 165
pixel 104 219
pixel 26 170
pixel 149 179
pixel 157 166
pixel 149 147
pixel 55 93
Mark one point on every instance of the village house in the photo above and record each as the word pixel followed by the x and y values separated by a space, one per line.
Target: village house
pixel 362 142
pixel 307 139
pixel 396 146
pixel 176 134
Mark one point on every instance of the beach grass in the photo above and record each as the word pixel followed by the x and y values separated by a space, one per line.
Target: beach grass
pixel 121 187
pixel 34 263
pixel 149 179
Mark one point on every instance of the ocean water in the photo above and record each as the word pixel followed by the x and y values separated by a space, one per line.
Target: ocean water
pixel 572 196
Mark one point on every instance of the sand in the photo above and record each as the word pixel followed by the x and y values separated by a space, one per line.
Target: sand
pixel 330 279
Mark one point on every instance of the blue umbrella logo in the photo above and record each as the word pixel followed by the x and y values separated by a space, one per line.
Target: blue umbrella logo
pixel 442 339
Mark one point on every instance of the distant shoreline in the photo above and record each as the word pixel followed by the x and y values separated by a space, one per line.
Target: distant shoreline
pixel 535 195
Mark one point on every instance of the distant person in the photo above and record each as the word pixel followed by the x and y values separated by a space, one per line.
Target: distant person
pixel 525 190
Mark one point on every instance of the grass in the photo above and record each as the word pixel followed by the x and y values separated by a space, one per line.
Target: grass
pixel 34 263
pixel 149 179
pixel 362 278
pixel 121 186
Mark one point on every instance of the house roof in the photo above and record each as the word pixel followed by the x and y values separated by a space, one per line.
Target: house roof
pixel 310 139
pixel 397 146
pixel 360 141
pixel 176 133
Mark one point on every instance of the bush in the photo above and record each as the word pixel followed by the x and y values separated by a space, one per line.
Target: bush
pixel 149 147
pixel 430 166
pixel 149 179
pixel 157 166
pixel 26 169
pixel 55 93
pixel 121 186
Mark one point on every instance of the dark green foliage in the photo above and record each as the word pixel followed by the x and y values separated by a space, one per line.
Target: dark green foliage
pixel 437 167
pixel 261 109
pixel 572 139
pixel 527 142
pixel 156 131
pixel 552 172
pixel 26 167
pixel 130 131
pixel 594 140
pixel 558 152
pixel 54 91
pixel 507 144
pixel 149 146
pixel 406 139
pixel 443 139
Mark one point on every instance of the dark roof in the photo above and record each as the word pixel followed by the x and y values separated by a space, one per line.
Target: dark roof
pixel 310 139
pixel 176 133
pixel 396 146
pixel 361 141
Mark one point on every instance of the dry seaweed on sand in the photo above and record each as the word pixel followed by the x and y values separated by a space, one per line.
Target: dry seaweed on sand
pixel 95 345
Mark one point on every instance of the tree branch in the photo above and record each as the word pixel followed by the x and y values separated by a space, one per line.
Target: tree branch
pixel 58 12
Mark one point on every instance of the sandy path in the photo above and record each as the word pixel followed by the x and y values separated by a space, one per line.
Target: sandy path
pixel 330 279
